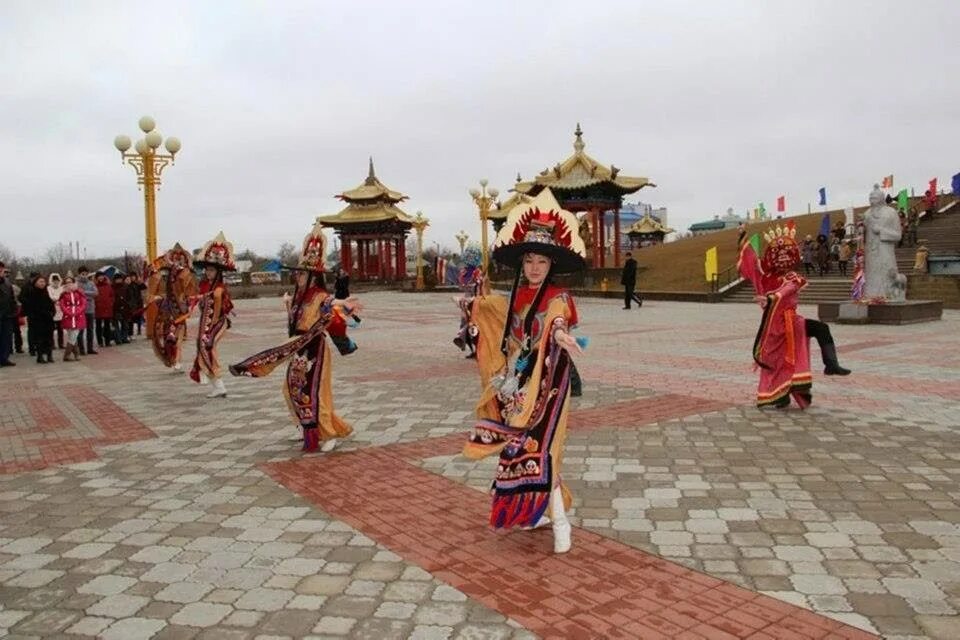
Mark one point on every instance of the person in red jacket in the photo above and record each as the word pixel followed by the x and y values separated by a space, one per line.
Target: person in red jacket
pixel 103 310
pixel 73 304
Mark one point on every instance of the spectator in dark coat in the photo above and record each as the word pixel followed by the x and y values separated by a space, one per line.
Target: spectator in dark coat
pixel 39 309
pixel 121 309
pixel 104 311
pixel 8 316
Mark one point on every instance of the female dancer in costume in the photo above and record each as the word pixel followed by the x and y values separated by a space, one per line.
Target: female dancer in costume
pixel 782 349
pixel 215 305
pixel 169 290
pixel 313 314
pixel 470 279
pixel 524 407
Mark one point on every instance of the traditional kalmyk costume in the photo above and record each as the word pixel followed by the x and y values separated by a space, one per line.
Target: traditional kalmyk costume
pixel 170 287
pixel 313 315
pixel 215 305
pixel 523 410
pixel 781 349
pixel 470 279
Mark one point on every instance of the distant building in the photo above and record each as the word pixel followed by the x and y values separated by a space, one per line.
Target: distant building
pixel 708 226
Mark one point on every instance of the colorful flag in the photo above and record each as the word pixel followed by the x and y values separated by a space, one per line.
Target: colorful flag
pixel 756 213
pixel 782 204
pixel 825 225
pixel 903 199
pixel 823 196
pixel 710 264
pixel 748 264
pixel 933 187
pixel 763 211
pixel 955 185
pixel 888 181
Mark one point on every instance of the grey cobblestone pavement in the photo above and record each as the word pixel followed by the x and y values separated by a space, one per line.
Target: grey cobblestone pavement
pixel 850 509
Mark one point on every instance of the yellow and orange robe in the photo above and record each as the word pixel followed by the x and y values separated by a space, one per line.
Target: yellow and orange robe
pixel 169 293
pixel 522 413
pixel 307 385
pixel 215 305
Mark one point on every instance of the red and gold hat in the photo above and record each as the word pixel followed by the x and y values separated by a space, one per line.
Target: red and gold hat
pixel 217 253
pixel 313 252
pixel 541 226
pixel 177 256
pixel 782 254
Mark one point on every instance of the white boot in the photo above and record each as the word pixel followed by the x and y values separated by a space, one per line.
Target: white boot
pixel 177 368
pixel 328 445
pixel 203 378
pixel 219 391
pixel 561 526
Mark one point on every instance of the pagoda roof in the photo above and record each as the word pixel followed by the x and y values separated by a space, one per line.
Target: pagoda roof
pixel 580 171
pixel 372 189
pixel 504 208
pixel 649 224
pixel 371 202
pixel 354 214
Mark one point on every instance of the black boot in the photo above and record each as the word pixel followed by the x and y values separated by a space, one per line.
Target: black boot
pixel 831 364
pixel 576 384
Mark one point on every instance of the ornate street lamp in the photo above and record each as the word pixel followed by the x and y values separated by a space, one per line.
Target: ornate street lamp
pixel 149 165
pixel 419 224
pixel 462 238
pixel 485 199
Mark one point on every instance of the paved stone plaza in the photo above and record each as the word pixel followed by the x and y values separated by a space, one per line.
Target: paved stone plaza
pixel 132 507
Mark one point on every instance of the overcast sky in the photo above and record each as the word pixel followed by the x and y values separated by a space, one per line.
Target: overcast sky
pixel 279 103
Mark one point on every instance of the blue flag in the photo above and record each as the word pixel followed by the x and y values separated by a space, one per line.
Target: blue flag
pixel 956 185
pixel 825 225
pixel 823 196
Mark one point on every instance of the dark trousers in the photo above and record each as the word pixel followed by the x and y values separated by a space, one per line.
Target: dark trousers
pixel 58 329
pixel 43 340
pixel 17 335
pixel 31 339
pixel 629 296
pixel 104 332
pixel 6 338
pixel 820 331
pixel 120 333
pixel 842 265
pixel 86 335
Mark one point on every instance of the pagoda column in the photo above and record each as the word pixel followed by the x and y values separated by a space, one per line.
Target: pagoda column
pixel 402 257
pixel 381 267
pixel 391 267
pixel 362 259
pixel 601 245
pixel 616 238
pixel 345 262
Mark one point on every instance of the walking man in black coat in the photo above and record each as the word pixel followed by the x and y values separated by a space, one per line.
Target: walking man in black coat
pixel 629 281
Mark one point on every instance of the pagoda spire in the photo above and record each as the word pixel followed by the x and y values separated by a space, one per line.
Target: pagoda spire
pixel 371 175
pixel 578 142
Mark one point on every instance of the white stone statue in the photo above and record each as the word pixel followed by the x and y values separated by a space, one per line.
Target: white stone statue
pixel 881 234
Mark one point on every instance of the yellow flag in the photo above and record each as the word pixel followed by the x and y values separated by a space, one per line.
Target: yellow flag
pixel 710 264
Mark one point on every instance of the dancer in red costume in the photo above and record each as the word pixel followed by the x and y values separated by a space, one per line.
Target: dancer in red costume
pixel 781 349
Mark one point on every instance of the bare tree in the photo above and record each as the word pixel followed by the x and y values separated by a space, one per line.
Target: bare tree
pixel 7 256
pixel 287 254
pixel 58 254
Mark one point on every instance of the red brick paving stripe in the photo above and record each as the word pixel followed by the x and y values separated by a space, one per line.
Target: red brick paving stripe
pixel 46 416
pixel 115 424
pixel 644 411
pixel 860 346
pixel 601 585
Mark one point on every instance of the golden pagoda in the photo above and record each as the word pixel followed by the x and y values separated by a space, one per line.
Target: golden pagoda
pixel 372 230
pixel 647 231
pixel 581 183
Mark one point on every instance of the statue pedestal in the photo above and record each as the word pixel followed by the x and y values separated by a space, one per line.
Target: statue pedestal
pixel 907 312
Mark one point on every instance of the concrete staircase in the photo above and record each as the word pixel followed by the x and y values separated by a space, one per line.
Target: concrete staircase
pixel 829 288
